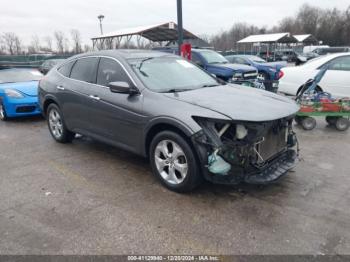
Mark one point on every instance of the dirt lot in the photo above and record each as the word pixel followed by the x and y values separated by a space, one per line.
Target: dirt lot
pixel 89 198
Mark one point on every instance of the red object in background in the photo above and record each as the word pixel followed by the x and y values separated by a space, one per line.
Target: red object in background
pixel 306 109
pixel 331 107
pixel 280 74
pixel 186 51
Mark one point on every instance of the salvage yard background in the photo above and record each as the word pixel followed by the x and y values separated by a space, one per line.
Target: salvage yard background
pixel 89 198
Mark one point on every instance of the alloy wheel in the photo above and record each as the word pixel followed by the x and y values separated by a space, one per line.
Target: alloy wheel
pixel 171 162
pixel 55 123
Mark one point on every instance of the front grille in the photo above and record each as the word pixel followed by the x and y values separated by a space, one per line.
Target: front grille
pixel 273 143
pixel 250 75
pixel 25 109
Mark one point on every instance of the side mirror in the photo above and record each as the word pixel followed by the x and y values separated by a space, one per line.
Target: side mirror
pixel 121 88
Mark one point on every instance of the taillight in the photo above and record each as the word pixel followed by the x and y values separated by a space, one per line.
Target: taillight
pixel 280 74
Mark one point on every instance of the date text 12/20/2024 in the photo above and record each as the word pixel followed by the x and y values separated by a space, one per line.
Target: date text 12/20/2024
pixel 173 258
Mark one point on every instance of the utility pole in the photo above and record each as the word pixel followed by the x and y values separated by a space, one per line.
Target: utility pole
pixel 179 24
pixel 101 17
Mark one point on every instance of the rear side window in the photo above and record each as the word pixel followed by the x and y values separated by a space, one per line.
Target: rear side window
pixel 66 68
pixel 85 69
pixel 111 71
pixel 340 64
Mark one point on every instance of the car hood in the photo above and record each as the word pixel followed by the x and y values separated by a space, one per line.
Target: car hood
pixel 28 88
pixel 240 103
pixel 236 67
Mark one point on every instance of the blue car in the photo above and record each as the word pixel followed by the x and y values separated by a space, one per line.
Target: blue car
pixel 217 65
pixel 269 72
pixel 19 92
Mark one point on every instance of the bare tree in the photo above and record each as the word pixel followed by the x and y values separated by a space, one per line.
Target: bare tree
pixel 11 43
pixel 2 46
pixel 60 41
pixel 34 46
pixel 76 39
pixel 48 42
pixel 332 26
pixel 66 45
pixel 87 48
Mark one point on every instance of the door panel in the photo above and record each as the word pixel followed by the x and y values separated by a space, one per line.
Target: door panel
pixel 75 89
pixel 117 117
pixel 337 78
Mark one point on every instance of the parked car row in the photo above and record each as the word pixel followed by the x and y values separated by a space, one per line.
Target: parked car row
pixel 236 69
pixel 268 73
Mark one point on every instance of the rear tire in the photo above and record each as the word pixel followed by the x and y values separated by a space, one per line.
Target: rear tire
pixel 57 126
pixel 174 162
pixel 3 116
pixel 308 123
pixel 342 124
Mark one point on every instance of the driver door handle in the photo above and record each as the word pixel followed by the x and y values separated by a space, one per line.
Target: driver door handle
pixel 95 97
pixel 60 87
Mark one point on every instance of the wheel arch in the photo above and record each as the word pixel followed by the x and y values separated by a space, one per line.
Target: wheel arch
pixel 48 100
pixel 317 87
pixel 165 125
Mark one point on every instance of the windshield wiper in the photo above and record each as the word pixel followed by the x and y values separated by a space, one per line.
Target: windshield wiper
pixel 141 64
pixel 218 62
pixel 144 60
pixel 209 85
pixel 175 90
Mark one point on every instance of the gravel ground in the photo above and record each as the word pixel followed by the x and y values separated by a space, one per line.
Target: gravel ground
pixel 89 198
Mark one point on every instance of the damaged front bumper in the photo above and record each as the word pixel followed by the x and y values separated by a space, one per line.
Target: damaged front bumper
pixel 272 171
pixel 246 163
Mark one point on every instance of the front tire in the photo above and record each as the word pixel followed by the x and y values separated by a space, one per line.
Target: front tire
pixel 174 162
pixel 57 126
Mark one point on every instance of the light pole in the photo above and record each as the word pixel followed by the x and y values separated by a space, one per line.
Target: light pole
pixel 101 17
pixel 179 24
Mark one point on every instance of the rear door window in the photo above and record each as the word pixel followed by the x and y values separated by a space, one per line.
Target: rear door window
pixel 66 68
pixel 340 64
pixel 85 70
pixel 109 71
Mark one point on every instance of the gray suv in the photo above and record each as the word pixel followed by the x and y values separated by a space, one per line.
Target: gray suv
pixel 190 125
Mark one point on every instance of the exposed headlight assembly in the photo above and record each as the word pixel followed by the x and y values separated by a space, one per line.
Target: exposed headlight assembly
pixel 13 93
pixel 241 132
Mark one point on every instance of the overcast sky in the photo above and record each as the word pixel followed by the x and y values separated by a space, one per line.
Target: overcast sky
pixel 43 17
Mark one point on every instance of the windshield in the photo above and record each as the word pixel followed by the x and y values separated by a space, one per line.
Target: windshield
pixel 257 59
pixel 19 75
pixel 213 57
pixel 171 74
